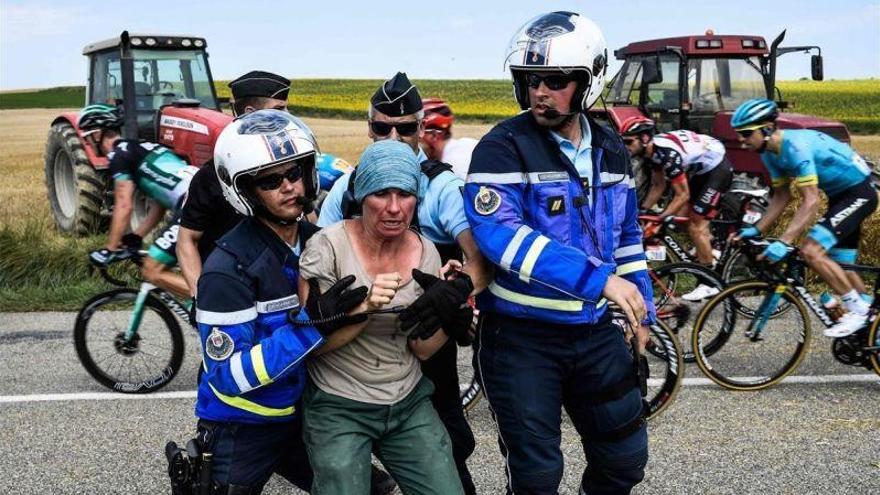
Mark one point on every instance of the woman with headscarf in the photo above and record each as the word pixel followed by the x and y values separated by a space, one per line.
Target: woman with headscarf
pixel 366 389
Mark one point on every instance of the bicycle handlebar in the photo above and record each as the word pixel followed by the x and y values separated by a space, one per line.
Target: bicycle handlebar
pixel 133 255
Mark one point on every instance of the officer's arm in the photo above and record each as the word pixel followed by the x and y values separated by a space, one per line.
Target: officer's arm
pixel 630 255
pixel 494 194
pixel 450 208
pixel 476 265
pixel 331 208
pixel 235 361
pixel 188 256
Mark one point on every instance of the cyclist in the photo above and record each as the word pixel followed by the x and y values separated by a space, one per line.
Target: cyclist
pixel 396 112
pixel 247 401
pixel 551 199
pixel 696 167
pixel 155 171
pixel 816 161
pixel 438 143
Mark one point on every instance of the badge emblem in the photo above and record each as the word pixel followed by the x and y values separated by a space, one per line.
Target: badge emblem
pixel 487 201
pixel 219 345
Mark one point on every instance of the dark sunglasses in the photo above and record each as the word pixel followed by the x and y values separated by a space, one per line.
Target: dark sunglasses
pixel 629 141
pixel 747 133
pixel 554 82
pixel 273 181
pixel 405 129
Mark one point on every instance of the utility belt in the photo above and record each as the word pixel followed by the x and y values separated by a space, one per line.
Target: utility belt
pixel 190 468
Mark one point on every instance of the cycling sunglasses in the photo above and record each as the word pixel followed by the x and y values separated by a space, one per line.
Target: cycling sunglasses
pixel 405 129
pixel 553 82
pixel 271 182
pixel 747 133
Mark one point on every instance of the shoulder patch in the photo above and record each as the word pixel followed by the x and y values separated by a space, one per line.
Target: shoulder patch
pixel 487 201
pixel 219 345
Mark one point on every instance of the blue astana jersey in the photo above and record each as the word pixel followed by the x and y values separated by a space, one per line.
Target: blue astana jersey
pixel 814 158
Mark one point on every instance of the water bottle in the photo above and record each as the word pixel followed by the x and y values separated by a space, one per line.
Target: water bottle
pixel 831 305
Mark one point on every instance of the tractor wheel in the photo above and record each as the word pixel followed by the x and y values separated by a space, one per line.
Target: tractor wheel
pixel 74 187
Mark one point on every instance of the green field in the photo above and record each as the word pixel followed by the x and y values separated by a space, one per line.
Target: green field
pixel 855 102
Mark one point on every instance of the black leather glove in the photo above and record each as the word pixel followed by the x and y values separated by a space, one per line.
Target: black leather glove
pixel 328 310
pixel 132 241
pixel 444 304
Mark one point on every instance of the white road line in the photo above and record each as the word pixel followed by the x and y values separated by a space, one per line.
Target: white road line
pixel 702 382
pixel 183 394
pixel 191 394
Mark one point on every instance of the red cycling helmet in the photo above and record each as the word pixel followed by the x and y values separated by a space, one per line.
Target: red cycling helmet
pixel 636 126
pixel 438 115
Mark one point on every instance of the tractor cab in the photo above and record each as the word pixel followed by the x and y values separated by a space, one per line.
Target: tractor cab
pixel 145 73
pixel 696 82
pixel 164 86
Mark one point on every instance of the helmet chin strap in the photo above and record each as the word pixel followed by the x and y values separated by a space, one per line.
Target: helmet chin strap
pixel 261 210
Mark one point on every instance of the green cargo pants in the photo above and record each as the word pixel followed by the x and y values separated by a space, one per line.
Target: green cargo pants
pixel 410 441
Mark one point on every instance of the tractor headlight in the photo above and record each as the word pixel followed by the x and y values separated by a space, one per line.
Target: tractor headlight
pixel 151 42
pixel 136 42
pixel 199 43
pixel 186 42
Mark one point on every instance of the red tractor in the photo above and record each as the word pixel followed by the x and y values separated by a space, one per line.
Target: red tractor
pixel 164 85
pixel 696 82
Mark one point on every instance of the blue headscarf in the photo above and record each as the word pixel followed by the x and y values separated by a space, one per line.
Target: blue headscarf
pixel 386 164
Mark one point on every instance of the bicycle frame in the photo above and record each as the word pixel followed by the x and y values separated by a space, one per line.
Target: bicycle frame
pixel 788 278
pixel 167 299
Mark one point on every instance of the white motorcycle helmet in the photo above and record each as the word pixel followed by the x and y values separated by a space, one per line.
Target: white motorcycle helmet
pixel 559 41
pixel 257 141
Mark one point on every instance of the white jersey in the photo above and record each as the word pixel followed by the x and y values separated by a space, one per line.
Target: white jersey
pixel 457 153
pixel 699 153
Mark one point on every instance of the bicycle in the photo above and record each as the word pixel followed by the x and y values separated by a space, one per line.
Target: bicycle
pixel 770 348
pixel 664 353
pixel 129 339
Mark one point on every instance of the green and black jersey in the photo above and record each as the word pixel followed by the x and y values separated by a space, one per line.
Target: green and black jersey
pixel 155 170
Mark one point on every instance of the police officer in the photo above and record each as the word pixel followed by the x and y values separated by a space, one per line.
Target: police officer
pixel 254 368
pixel 396 112
pixel 206 216
pixel 551 200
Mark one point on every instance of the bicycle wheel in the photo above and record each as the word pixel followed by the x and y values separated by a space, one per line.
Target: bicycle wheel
pixel 738 269
pixel 874 344
pixel 145 363
pixel 471 391
pixel 670 283
pixel 666 369
pixel 756 352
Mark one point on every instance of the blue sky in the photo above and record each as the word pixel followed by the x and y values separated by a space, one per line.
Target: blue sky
pixel 41 41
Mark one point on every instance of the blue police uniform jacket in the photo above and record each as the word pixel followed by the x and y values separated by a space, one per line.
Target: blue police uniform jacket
pixel 253 356
pixel 554 247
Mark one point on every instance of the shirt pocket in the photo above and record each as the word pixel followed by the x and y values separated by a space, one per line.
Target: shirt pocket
pixel 550 208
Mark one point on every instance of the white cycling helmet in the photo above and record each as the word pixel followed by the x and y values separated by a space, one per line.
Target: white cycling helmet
pixel 559 41
pixel 257 141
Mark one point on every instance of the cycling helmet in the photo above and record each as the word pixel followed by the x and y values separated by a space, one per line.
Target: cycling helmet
pixel 564 42
pixel 636 126
pixel 98 117
pixel 754 113
pixel 438 115
pixel 257 141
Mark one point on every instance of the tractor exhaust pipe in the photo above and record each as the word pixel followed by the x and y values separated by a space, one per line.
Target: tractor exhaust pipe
pixel 129 104
pixel 771 78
